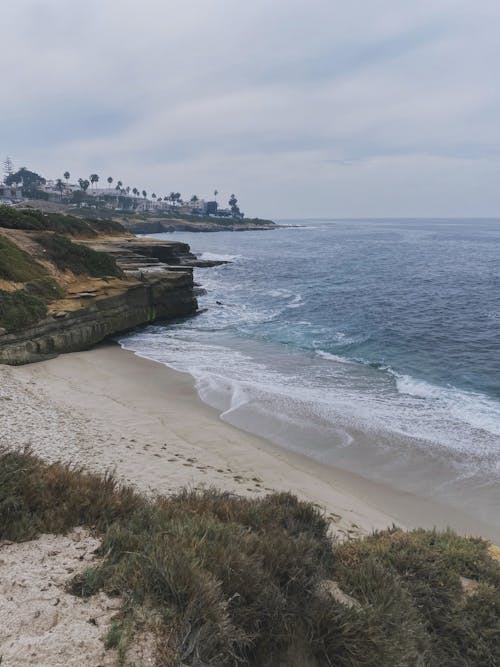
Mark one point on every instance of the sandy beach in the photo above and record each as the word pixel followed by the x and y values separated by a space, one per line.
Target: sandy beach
pixel 109 410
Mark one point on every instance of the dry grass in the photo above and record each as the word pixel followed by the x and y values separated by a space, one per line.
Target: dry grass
pixel 214 579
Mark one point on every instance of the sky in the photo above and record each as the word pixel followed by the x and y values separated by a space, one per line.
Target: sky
pixel 302 108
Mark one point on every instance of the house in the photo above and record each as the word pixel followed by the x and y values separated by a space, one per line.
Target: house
pixel 10 194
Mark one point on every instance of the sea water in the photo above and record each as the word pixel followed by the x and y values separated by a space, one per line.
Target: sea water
pixel 371 345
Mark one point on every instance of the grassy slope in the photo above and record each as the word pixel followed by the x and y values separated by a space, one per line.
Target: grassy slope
pixel 28 305
pixel 222 580
pixel 77 258
pixel 24 306
pixel 34 219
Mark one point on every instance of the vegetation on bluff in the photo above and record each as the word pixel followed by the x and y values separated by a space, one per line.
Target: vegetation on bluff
pixel 34 220
pixel 76 257
pixel 27 305
pixel 221 580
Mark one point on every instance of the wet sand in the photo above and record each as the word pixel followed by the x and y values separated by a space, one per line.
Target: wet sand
pixel 108 409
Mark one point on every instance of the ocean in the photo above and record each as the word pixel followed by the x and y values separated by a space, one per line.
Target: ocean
pixel 370 345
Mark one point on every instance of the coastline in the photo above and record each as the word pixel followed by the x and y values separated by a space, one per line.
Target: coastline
pixel 109 409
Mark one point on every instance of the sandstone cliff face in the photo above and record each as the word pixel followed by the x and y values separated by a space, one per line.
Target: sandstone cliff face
pixel 157 284
pixel 86 318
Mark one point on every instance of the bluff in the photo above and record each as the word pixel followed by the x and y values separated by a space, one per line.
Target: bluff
pixel 66 284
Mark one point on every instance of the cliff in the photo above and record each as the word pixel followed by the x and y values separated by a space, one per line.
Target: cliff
pixel 154 222
pixel 60 296
pixel 91 311
pixel 160 224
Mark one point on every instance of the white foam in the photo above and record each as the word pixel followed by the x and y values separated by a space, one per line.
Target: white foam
pixel 333 357
pixel 280 293
pixel 472 408
pixel 218 257
pixel 323 396
pixel 296 302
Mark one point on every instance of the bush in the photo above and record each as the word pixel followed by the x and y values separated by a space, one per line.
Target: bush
pixel 16 265
pixel 26 306
pixel 223 581
pixel 35 220
pixel 76 257
pixel 19 310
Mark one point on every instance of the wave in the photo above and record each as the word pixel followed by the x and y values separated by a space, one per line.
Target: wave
pixel 218 257
pixel 296 302
pixel 472 408
pixel 333 357
pixel 250 383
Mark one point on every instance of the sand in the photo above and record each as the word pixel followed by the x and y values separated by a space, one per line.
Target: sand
pixel 40 622
pixel 108 409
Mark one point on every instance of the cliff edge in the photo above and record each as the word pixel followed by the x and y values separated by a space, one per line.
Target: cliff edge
pixel 66 284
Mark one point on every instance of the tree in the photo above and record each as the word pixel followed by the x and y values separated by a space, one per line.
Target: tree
pixel 59 185
pixel 110 180
pixel 119 185
pixel 29 180
pixel 144 194
pixel 84 184
pixel 153 196
pixel 94 178
pixel 235 210
pixel 127 189
pixel 8 167
pixel 67 175
pixel 194 200
pixel 216 192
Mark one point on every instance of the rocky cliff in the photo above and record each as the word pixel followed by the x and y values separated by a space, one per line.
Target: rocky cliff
pixel 157 224
pixel 93 310
pixel 60 296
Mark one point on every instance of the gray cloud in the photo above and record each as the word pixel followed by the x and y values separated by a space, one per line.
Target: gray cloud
pixel 304 109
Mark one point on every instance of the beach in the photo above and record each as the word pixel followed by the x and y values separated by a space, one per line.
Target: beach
pixel 109 410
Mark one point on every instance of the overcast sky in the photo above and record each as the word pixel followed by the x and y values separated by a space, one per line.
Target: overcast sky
pixel 301 107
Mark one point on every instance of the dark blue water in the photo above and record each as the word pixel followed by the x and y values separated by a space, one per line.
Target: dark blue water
pixel 337 332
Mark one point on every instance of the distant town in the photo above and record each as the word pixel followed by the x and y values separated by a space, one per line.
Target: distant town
pixel 19 186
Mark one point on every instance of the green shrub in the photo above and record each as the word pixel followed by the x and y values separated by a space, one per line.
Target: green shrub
pixel 16 265
pixel 428 565
pixel 34 220
pixel 76 257
pixel 226 581
pixel 28 305
pixel 19 310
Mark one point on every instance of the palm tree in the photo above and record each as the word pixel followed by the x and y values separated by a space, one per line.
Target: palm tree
pixel 119 185
pixel 94 178
pixel 110 180
pixel 127 189
pixel 66 175
pixel 59 185
pixel 84 184
pixel 144 194
pixel 216 192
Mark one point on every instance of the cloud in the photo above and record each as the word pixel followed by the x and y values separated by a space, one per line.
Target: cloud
pixel 380 108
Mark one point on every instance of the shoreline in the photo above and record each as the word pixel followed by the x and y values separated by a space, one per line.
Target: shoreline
pixel 114 410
